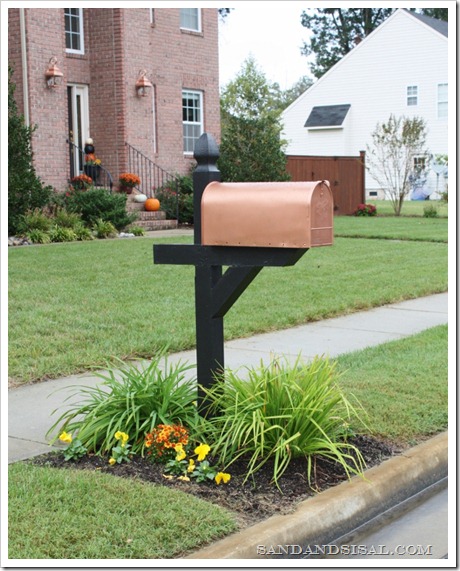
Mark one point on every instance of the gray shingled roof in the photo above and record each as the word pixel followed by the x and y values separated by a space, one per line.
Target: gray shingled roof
pixel 438 25
pixel 327 116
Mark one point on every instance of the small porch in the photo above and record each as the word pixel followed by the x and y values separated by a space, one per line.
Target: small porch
pixel 152 177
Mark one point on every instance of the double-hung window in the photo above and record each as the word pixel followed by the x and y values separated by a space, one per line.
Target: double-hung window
pixel 190 19
pixel 192 118
pixel 412 95
pixel 74 30
pixel 442 100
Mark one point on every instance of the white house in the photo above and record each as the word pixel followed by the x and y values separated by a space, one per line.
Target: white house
pixel 401 68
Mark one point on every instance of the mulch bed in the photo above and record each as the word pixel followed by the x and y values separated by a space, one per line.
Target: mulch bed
pixel 253 501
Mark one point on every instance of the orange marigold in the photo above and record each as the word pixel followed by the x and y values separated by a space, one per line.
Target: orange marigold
pixel 165 437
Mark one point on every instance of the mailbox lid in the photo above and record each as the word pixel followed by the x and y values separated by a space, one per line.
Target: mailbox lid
pixel 274 214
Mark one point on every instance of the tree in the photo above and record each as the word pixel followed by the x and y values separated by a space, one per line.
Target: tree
pixel 25 190
pixel 282 99
pixel 251 147
pixel 438 13
pixel 336 32
pixel 391 159
pixel 224 12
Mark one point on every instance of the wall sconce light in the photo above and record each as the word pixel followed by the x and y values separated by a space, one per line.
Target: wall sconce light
pixel 142 84
pixel 53 74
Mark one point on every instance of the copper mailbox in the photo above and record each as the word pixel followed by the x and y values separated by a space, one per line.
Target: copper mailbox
pixel 273 214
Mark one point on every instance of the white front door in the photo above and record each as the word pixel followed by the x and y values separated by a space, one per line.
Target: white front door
pixel 77 102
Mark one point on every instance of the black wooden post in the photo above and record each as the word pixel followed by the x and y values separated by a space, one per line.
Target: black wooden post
pixel 206 154
pixel 215 291
pixel 209 329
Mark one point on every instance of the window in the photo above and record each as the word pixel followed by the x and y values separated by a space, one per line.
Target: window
pixel 192 118
pixel 412 95
pixel 74 30
pixel 442 100
pixel 419 164
pixel 190 19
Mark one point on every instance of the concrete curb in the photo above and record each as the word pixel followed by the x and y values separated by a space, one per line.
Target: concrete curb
pixel 337 511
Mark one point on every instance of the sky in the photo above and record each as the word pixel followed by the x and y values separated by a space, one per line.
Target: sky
pixel 271 32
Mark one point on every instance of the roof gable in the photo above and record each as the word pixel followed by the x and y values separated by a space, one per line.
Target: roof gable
pixel 418 19
pixel 437 25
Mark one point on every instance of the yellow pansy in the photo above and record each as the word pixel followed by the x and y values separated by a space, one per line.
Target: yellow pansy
pixel 180 452
pixel 202 451
pixel 191 466
pixel 121 436
pixel 66 437
pixel 222 477
pixel 184 478
pixel 112 461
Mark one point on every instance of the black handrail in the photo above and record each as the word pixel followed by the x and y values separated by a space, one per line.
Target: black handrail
pixel 100 175
pixel 153 179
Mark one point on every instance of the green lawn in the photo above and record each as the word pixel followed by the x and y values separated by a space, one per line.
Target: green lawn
pixel 401 228
pixel 409 207
pixel 402 385
pixel 73 306
pixel 70 514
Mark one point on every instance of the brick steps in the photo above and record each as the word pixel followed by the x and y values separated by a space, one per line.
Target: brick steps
pixel 149 220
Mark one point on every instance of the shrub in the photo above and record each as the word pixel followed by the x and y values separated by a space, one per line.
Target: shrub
pixel 100 204
pixel 365 210
pixel 82 232
pixel 281 412
pixel 177 196
pixel 37 236
pixel 25 189
pixel 66 219
pixel 62 234
pixel 430 211
pixel 137 230
pixel 104 229
pixel 133 400
pixel 34 220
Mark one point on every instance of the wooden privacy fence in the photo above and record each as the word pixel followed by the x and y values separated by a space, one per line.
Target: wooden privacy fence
pixel 345 174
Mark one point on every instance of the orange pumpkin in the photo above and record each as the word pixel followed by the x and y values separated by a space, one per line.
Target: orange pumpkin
pixel 152 204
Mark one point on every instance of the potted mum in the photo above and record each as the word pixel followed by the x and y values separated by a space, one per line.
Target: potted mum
pixel 92 166
pixel 81 182
pixel 128 181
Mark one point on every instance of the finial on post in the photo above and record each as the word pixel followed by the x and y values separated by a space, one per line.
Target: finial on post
pixel 206 154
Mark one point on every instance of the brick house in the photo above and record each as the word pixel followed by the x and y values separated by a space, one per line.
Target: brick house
pixel 102 54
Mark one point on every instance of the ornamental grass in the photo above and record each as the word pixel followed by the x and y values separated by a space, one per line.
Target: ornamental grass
pixel 282 412
pixel 133 400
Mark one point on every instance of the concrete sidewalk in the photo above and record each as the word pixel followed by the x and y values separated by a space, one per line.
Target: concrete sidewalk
pixel 30 407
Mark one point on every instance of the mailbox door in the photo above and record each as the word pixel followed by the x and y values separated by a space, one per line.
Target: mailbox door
pixel 322 215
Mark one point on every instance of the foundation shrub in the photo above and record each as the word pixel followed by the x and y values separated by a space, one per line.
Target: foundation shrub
pixel 177 196
pixel 100 204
